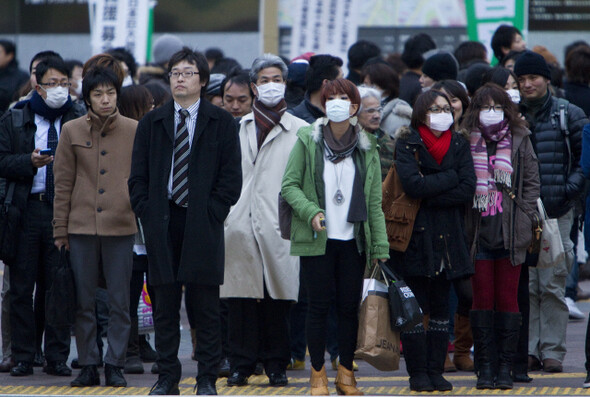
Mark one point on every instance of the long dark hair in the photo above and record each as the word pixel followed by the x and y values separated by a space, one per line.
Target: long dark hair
pixel 482 97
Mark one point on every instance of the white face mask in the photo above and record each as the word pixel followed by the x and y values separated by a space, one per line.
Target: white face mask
pixel 441 121
pixel 56 96
pixel 78 90
pixel 338 110
pixel 127 81
pixel 490 118
pixel 514 95
pixel 270 94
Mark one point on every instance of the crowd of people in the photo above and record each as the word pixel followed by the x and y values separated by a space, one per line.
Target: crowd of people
pixel 257 195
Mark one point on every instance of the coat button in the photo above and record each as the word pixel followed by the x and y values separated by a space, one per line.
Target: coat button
pixel 100 191
pixel 441 236
pixel 88 143
pixel 102 172
pixel 103 152
pixel 99 209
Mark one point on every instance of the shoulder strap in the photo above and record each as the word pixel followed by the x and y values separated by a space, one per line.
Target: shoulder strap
pixel 533 214
pixel 9 194
pixel 560 113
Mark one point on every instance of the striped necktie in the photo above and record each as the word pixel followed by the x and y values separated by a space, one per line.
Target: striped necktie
pixel 49 180
pixel 181 156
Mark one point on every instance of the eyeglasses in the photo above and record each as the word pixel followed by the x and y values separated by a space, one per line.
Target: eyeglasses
pixel 53 84
pixel 436 109
pixel 185 74
pixel 372 111
pixel 489 108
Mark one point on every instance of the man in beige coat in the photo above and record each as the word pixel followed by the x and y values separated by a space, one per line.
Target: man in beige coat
pixel 261 278
pixel 94 220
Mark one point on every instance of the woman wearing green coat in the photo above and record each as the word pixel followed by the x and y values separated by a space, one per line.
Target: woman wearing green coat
pixel 333 183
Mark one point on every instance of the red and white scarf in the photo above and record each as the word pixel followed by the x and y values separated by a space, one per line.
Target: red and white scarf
pixel 486 192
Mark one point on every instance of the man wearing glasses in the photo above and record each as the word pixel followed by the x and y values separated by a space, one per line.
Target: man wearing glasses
pixel 28 138
pixel 185 176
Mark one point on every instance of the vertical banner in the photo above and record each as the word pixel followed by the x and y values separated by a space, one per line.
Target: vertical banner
pixel 484 17
pixel 120 23
pixel 324 27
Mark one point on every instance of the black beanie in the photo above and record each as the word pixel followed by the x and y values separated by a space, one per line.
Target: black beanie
pixel 531 63
pixel 441 66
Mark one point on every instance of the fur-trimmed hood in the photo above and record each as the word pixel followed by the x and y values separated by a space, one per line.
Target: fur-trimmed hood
pixel 403 132
pixel 398 107
pixel 365 142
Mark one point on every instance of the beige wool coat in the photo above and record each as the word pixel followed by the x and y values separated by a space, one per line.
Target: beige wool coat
pixel 255 253
pixel 91 169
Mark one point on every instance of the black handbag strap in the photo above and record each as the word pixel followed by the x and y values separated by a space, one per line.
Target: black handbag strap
pixel 9 194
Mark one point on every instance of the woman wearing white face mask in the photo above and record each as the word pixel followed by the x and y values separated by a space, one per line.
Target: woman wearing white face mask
pixel 333 183
pixel 506 79
pixel 442 176
pixel 498 228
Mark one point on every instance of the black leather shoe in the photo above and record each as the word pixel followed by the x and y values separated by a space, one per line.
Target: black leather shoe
pixel 237 379
pixel 7 364
pixel 164 387
pixel 39 360
pixel 57 368
pixel 22 368
pixel 278 379
pixel 114 376
pixel 76 364
pixel 88 376
pixel 224 368
pixel 206 387
pixel 521 378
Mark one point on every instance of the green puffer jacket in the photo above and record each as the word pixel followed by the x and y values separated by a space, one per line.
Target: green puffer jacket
pixel 303 189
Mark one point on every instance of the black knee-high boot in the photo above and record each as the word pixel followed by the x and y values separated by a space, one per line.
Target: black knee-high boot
pixel 482 326
pixel 507 327
pixel 415 355
pixel 437 340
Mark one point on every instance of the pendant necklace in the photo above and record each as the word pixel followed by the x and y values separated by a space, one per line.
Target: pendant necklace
pixel 338 196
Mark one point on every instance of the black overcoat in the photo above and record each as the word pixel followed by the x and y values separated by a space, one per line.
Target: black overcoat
pixel 215 182
pixel 446 189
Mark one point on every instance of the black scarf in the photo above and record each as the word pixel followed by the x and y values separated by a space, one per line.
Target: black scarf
pixel 39 106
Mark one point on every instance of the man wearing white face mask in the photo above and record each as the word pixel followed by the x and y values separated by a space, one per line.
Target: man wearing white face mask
pixel 24 131
pixel 261 278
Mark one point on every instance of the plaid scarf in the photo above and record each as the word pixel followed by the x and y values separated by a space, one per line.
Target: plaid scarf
pixel 266 118
pixel 486 191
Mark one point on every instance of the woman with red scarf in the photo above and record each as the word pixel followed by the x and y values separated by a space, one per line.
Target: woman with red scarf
pixel 442 176
pixel 499 227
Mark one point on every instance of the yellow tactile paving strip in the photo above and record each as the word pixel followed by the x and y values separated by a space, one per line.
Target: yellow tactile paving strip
pixel 258 385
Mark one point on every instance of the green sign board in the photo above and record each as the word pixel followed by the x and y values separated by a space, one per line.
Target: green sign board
pixel 484 17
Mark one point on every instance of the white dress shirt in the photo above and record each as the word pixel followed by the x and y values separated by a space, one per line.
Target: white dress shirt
pixel 41 142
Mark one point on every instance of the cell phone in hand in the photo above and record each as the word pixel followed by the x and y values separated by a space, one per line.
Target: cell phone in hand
pixel 46 152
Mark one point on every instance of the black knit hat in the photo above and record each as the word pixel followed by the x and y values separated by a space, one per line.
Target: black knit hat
pixel 441 66
pixel 531 63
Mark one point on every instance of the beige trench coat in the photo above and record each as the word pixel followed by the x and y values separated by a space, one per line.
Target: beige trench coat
pixel 255 253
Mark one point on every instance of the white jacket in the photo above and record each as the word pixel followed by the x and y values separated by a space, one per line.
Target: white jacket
pixel 255 253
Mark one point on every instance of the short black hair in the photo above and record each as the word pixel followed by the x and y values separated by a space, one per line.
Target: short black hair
pixel 238 78
pixel 360 52
pixel 226 66
pixel 503 37
pixel 123 55
pixel 574 45
pixel 9 47
pixel 511 55
pixel 214 54
pixel 469 51
pixel 98 76
pixel 414 48
pixel 41 56
pixel 454 89
pixel 51 63
pixel 195 58
pixel 73 63
pixel 321 67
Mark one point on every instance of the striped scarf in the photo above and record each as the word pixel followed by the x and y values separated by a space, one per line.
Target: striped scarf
pixel 486 191
pixel 266 118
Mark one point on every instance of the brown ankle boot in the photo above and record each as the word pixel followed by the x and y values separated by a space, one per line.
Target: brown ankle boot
pixel 449 366
pixel 463 342
pixel 193 341
pixel 345 383
pixel 319 382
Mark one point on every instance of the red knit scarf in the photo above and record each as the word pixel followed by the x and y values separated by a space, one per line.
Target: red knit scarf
pixel 437 146
pixel 266 118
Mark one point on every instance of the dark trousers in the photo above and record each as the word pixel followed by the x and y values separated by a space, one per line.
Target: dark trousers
pixel 36 254
pixel 432 295
pixel 339 271
pixel 205 306
pixel 258 328
pixel 520 361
